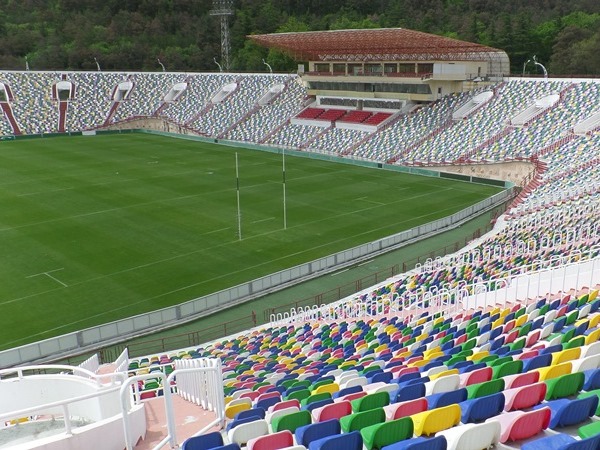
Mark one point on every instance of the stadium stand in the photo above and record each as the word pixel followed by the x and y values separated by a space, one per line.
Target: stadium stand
pixel 477 376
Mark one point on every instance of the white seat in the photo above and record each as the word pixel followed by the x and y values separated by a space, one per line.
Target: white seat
pixel 590 349
pixel 280 412
pixel 358 381
pixel 246 431
pixel 443 384
pixel 584 311
pixel 587 363
pixel 550 316
pixel 472 436
pixel 237 394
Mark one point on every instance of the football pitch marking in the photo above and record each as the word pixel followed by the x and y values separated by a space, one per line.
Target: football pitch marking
pixel 365 199
pixel 152 263
pixel 47 273
pixel 264 220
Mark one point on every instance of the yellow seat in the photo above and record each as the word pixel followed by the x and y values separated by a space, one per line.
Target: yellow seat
pixel 381 348
pixel 420 363
pixel 566 355
pixel 434 420
pixel 594 336
pixel 593 295
pixel 498 323
pixel 421 321
pixel 519 321
pixel 496 310
pixel 505 312
pixel 549 372
pixel 330 388
pixel 435 355
pixel 431 351
pixel 422 337
pixel 594 321
pixel 477 356
pixel 435 376
pixel 237 406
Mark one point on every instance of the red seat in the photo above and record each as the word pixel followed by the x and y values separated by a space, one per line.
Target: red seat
pixel 405 409
pixel 524 396
pixel 476 376
pixel 285 404
pixel 518 425
pixel 332 411
pixel 521 379
pixel 273 441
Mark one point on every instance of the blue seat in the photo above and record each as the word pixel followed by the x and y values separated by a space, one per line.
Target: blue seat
pixel 471 367
pixel 346 391
pixel 563 441
pixel 567 412
pixel 592 379
pixel 203 442
pixel 495 333
pixel 419 443
pixel 318 404
pixel 235 422
pixel 314 431
pixel 227 447
pixel 384 377
pixel 536 362
pixel 481 408
pixel 551 349
pixel 346 441
pixel 254 412
pixel 266 402
pixel 406 377
pixel 446 398
pixel 410 392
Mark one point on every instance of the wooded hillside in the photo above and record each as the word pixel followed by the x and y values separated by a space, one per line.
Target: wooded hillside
pixel 132 34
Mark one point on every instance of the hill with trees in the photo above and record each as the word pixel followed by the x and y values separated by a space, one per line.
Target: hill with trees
pixel 133 34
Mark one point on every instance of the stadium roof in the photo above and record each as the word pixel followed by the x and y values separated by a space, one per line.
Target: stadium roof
pixel 382 44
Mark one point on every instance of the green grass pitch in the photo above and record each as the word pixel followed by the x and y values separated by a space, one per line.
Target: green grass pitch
pixel 94 229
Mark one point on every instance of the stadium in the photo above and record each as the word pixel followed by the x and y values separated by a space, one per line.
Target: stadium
pixel 137 202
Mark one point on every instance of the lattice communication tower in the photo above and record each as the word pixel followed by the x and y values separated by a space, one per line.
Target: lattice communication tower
pixel 224 9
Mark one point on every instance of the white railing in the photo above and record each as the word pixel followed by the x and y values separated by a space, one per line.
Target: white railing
pixel 20 373
pixel 517 287
pixel 92 363
pixel 122 361
pixel 199 381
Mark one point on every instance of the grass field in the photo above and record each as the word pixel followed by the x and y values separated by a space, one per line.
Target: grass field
pixel 98 228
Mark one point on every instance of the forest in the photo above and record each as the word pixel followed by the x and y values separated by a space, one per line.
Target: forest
pixel 135 35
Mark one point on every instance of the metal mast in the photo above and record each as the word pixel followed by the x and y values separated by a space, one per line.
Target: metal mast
pixel 224 9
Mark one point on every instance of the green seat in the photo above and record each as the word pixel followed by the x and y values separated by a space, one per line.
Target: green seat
pixel 360 420
pixel 371 401
pixel 589 430
pixel 500 361
pixel 259 385
pixel 298 395
pixel 489 359
pixel 468 345
pixel 288 383
pixel 572 317
pixel 303 383
pixel 508 368
pixel 370 369
pixel 520 312
pixel 454 360
pixel 484 389
pixel 379 435
pixel 575 342
pixel 291 421
pixel 315 398
pixel 518 344
pixel 568 335
pixel 525 329
pixel 564 386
